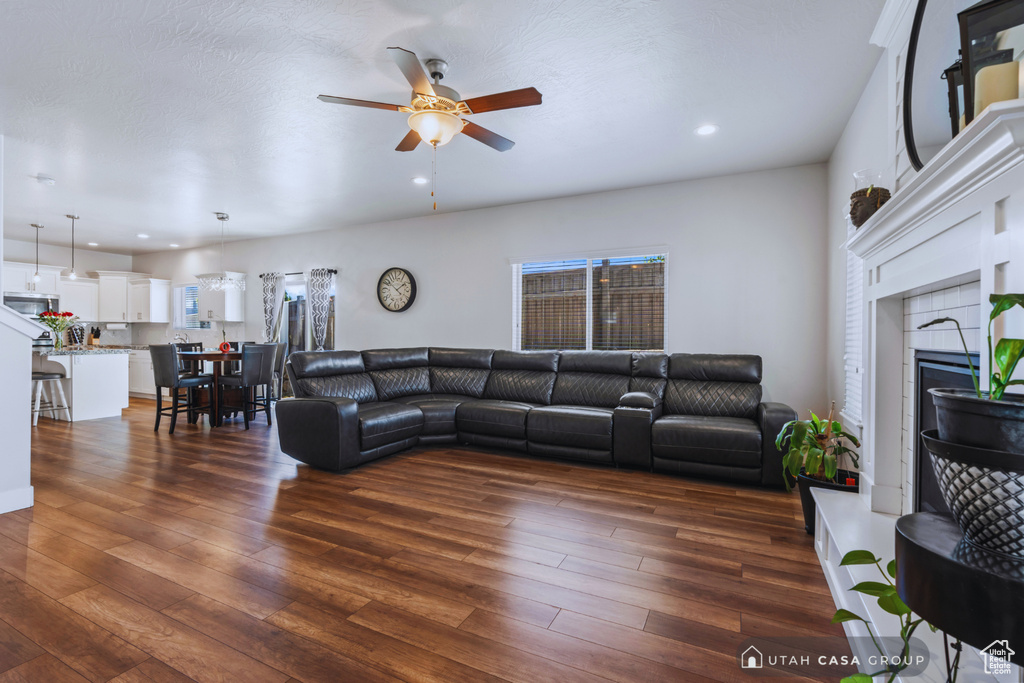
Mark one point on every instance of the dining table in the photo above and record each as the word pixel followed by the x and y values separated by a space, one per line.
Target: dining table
pixel 217 358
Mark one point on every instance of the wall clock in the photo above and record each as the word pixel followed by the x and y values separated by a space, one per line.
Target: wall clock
pixel 396 289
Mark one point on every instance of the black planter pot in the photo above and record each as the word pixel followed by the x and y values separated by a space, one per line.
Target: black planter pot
pixel 965 419
pixel 985 490
pixel 807 500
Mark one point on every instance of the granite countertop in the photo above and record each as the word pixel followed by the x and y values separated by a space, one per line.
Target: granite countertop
pixel 82 351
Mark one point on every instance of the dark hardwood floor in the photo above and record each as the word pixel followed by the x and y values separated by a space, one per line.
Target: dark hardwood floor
pixel 211 556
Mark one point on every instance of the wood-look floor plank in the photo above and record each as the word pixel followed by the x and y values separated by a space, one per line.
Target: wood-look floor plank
pixel 395 656
pixel 142 586
pixel 93 652
pixel 468 648
pixel 210 555
pixel 433 607
pixel 191 652
pixel 285 651
pixel 251 599
pixel 43 669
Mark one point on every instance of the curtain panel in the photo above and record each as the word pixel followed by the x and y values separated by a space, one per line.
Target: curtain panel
pixel 319 282
pixel 273 306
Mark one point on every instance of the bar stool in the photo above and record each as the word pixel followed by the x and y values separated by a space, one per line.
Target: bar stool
pixel 48 380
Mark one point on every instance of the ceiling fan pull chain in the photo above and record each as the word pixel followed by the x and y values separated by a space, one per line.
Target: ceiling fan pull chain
pixel 433 174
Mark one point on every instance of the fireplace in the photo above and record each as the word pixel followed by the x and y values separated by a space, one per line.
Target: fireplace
pixel 933 369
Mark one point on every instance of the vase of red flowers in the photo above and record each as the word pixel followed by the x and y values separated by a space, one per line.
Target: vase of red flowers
pixel 59 323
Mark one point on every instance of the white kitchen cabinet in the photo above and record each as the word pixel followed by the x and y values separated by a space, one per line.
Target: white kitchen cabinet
pixel 227 306
pixel 150 301
pixel 113 297
pixel 96 385
pixel 20 277
pixel 141 381
pixel 81 297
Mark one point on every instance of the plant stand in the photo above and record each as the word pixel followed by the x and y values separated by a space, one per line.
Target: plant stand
pixel 968 592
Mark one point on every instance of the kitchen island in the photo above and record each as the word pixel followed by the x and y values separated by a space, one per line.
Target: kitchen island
pixel 95 379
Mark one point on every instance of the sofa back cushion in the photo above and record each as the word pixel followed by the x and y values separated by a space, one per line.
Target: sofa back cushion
pixel 332 373
pixel 650 371
pixel 713 385
pixel 526 376
pixel 459 371
pixel 592 378
pixel 398 372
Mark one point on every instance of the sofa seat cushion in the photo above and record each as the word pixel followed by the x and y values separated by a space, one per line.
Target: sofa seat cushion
pixel 578 426
pixel 438 411
pixel 729 441
pixel 385 423
pixel 505 419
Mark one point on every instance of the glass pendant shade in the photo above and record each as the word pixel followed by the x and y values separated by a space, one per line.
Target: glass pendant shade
pixel 222 280
pixel 435 127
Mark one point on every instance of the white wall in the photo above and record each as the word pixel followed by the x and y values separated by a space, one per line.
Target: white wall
pixel 746 268
pixel 15 417
pixel 864 144
pixel 87 259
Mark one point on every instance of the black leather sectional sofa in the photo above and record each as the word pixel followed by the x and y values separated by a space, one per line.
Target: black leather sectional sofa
pixel 689 414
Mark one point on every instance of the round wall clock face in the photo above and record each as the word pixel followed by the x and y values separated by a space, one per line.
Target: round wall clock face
pixel 396 289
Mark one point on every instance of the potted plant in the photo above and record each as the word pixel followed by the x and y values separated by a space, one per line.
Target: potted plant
pixel 814 450
pixel 989 419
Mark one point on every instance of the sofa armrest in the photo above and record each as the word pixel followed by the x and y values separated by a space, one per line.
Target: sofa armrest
pixel 631 430
pixel 771 417
pixel 640 399
pixel 322 432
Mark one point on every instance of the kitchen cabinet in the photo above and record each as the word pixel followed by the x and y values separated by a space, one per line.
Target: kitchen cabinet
pixel 150 301
pixel 141 381
pixel 95 383
pixel 113 296
pixel 20 277
pixel 81 297
pixel 227 306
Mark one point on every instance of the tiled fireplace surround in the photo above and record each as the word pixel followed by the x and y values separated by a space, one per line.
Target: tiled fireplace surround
pixel 949 237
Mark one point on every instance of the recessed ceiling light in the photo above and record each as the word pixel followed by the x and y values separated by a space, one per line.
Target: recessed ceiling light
pixel 94 244
pixel 707 129
pixel 420 180
pixel 142 236
pixel 174 246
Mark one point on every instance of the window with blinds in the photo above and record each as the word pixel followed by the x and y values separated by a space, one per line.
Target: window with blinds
pixel 601 303
pixel 186 308
pixel 853 357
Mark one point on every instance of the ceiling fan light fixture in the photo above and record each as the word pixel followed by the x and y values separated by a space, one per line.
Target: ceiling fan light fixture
pixel 435 127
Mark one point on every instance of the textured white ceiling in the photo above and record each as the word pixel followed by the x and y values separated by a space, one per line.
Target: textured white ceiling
pixel 152 115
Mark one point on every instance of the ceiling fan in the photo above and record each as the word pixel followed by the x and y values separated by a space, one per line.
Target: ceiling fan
pixel 436 111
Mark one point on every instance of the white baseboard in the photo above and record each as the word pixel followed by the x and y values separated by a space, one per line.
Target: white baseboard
pixel 16 499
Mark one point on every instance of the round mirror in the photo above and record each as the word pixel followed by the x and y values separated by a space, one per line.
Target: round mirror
pixel 934 47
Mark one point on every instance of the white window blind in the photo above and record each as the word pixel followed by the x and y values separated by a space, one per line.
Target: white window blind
pixel 854 352
pixel 186 308
pixel 590 303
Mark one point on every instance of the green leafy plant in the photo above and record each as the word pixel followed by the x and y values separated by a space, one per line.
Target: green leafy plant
pixel 887 598
pixel 816 445
pixel 1007 353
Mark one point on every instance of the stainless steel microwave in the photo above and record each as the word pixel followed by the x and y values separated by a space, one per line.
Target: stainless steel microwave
pixel 30 304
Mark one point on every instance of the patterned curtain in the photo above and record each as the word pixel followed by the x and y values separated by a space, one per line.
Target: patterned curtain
pixel 319 282
pixel 273 305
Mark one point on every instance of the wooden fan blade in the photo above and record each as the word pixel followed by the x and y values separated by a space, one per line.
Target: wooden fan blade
pixel 357 103
pixel 524 97
pixel 409 142
pixel 409 63
pixel 489 138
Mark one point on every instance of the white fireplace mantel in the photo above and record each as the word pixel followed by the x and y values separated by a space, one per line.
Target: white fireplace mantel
pixel 986 150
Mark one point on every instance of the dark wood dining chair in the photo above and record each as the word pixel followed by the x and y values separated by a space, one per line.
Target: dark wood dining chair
pixel 257 372
pixel 167 374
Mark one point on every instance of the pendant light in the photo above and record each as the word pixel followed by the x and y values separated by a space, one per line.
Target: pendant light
pixel 220 281
pixel 36 277
pixel 72 275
